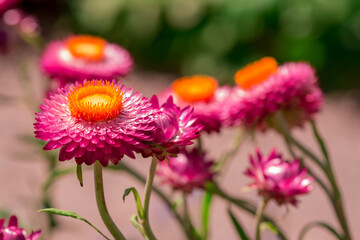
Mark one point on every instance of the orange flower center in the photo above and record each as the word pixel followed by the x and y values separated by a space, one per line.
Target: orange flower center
pixel 256 72
pixel 95 101
pixel 195 88
pixel 86 47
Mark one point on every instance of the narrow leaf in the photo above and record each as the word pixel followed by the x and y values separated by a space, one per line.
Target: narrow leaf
pixel 137 225
pixel 79 174
pixel 319 224
pixel 205 212
pixel 270 226
pixel 240 230
pixel 137 200
pixel 72 215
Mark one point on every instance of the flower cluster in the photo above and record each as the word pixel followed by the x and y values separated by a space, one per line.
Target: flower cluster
pixel 278 179
pixel 13 232
pixel 102 120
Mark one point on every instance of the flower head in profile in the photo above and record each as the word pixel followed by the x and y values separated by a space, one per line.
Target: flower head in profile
pixel 176 129
pixel 13 232
pixel 83 57
pixel 203 94
pixel 96 120
pixel 277 179
pixel 187 171
pixel 264 88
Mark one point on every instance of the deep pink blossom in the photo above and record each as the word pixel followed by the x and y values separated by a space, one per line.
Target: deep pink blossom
pixel 278 179
pixel 292 89
pixel 177 127
pixel 13 232
pixel 187 171
pixel 96 120
pixel 209 103
pixel 98 59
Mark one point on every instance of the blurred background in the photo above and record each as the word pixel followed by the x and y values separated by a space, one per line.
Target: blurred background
pixel 170 38
pixel 217 37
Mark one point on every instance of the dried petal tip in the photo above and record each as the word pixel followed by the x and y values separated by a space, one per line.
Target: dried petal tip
pixel 188 171
pixel 13 232
pixel 278 179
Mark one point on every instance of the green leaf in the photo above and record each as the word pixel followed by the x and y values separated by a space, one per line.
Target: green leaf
pixel 72 215
pixel 79 174
pixel 135 222
pixel 137 200
pixel 319 224
pixel 240 230
pixel 205 211
pixel 270 226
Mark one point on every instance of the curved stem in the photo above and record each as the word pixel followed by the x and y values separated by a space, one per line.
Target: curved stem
pixel 259 216
pixel 148 189
pixel 163 197
pixel 101 204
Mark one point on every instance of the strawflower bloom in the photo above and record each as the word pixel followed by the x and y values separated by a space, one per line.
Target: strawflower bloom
pixel 187 171
pixel 83 57
pixel 177 127
pixel 264 88
pixel 96 120
pixel 203 93
pixel 277 179
pixel 13 232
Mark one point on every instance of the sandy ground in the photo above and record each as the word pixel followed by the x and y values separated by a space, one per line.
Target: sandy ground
pixel 23 170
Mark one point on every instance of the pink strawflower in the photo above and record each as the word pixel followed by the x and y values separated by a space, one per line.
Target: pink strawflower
pixel 204 95
pixel 177 127
pixel 12 232
pixel 187 171
pixel 278 179
pixel 265 89
pixel 83 57
pixel 96 120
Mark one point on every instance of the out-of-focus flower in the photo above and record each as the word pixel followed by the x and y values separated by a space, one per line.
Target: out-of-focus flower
pixel 202 93
pixel 278 179
pixel 83 57
pixel 13 232
pixel 96 120
pixel 7 4
pixel 264 88
pixel 187 171
pixel 176 129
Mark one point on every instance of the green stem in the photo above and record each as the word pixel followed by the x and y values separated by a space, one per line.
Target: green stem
pixel 337 199
pixel 101 204
pixel 200 145
pixel 148 189
pixel 259 217
pixel 243 204
pixel 163 197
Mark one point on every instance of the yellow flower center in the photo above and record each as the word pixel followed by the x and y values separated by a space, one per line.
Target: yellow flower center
pixel 95 101
pixel 86 47
pixel 256 72
pixel 195 88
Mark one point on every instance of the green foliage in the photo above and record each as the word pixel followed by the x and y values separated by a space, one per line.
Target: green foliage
pixel 217 37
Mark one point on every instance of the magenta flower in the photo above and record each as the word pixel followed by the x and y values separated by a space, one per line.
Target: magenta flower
pixel 176 129
pixel 265 89
pixel 204 95
pixel 7 4
pixel 187 171
pixel 96 120
pixel 12 232
pixel 278 179
pixel 83 57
